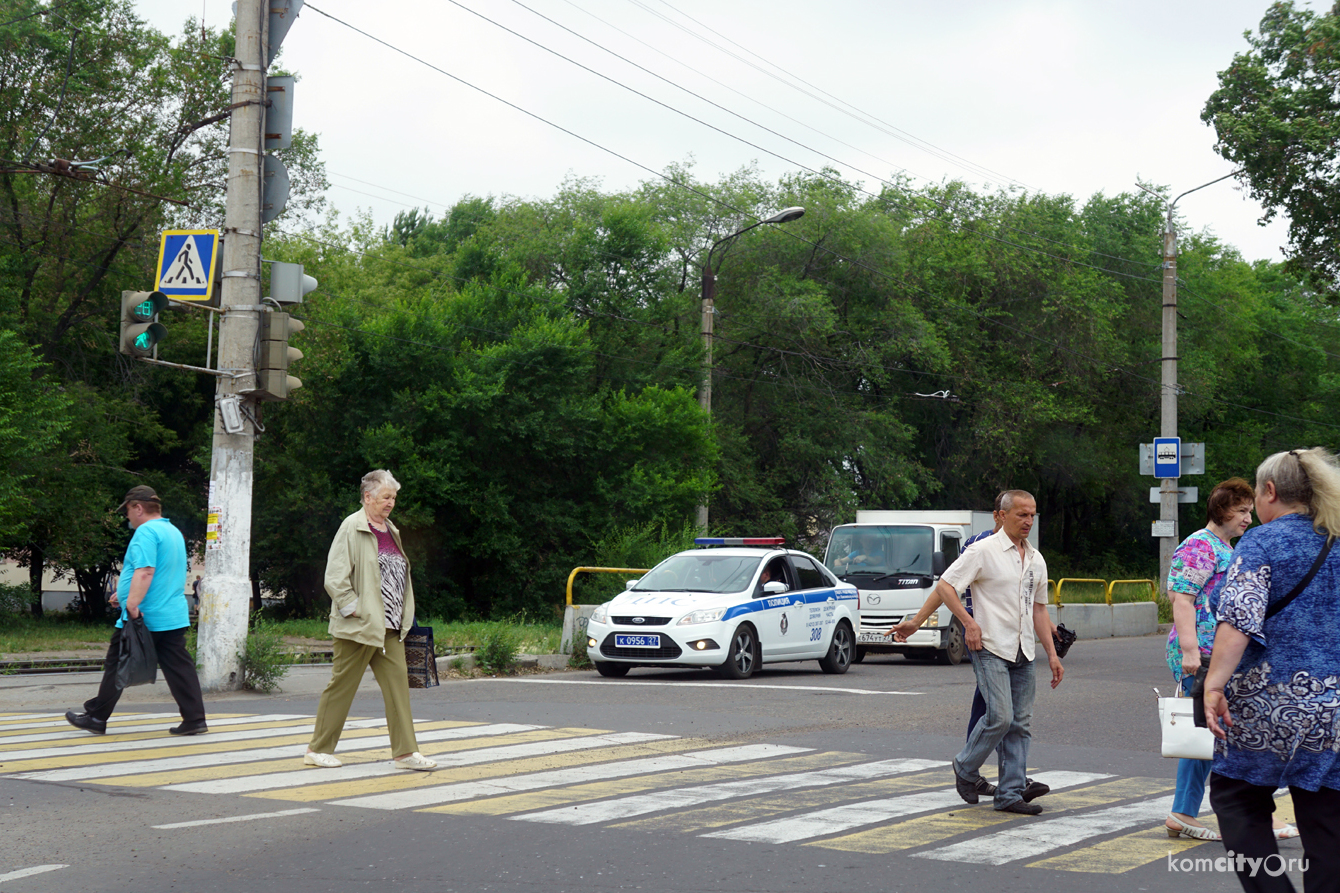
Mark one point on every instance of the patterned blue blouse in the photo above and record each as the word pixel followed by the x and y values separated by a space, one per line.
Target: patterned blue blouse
pixel 1284 696
pixel 1198 569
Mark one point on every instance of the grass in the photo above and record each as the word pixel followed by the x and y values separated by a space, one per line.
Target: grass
pixel 1078 593
pixel 22 634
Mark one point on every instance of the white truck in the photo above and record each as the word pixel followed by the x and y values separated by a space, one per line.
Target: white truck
pixel 894 559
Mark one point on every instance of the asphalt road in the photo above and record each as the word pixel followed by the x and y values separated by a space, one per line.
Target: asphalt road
pixel 662 781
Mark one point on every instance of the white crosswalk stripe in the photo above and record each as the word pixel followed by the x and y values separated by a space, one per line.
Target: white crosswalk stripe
pixel 470 790
pixel 155 727
pixel 44 721
pixel 824 822
pixel 1039 837
pixel 627 807
pixel 277 780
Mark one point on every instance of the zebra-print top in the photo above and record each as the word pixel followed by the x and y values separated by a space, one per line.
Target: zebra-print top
pixel 394 569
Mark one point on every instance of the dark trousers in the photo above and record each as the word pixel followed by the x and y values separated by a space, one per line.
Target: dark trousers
pixel 178 669
pixel 1244 811
pixel 978 710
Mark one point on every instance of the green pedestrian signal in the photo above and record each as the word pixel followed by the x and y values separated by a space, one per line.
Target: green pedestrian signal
pixel 140 329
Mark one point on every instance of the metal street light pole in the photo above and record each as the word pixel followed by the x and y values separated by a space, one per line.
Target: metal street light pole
pixel 1168 510
pixel 709 300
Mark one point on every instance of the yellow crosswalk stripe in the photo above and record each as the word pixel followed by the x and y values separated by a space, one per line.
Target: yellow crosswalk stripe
pixel 563 796
pixel 78 738
pixel 483 771
pixel 760 808
pixel 57 723
pixel 1124 853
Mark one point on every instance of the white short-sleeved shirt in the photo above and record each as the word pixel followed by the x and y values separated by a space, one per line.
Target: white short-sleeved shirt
pixel 1004 589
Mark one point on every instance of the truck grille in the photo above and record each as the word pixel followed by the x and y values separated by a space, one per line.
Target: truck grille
pixel 878 623
pixel 669 650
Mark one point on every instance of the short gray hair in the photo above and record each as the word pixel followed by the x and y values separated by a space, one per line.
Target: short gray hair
pixel 1008 498
pixel 376 480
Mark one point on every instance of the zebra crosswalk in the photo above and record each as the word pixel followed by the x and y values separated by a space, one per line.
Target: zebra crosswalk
pixel 743 792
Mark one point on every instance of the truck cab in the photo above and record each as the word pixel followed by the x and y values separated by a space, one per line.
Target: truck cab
pixel 894 559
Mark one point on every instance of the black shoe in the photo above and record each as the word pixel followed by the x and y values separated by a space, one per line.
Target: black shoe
pixel 967 789
pixel 86 722
pixel 1034 789
pixel 1021 807
pixel 985 788
pixel 189 728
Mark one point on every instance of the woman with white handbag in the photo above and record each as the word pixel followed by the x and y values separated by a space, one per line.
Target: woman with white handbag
pixel 1198 569
pixel 1273 693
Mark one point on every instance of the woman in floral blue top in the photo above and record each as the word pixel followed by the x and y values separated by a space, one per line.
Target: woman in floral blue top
pixel 1273 691
pixel 1198 568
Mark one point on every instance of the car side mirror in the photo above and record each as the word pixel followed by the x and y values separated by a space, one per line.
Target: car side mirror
pixel 629 584
pixel 774 586
pixel 938 563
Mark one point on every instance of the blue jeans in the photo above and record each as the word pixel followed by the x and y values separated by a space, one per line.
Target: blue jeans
pixel 1191 776
pixel 1008 687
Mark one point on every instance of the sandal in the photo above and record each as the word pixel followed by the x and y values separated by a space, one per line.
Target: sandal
pixel 1288 832
pixel 416 760
pixel 1195 832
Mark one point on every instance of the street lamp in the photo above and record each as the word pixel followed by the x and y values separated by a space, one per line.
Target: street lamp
pixel 1168 510
pixel 709 300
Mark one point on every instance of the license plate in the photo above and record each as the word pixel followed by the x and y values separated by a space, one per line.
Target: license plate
pixel 875 638
pixel 627 641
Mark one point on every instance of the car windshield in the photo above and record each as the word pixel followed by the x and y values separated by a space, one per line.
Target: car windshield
pixel 704 571
pixel 879 550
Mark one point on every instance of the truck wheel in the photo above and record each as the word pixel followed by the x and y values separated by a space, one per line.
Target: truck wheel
pixel 957 647
pixel 859 655
pixel 743 656
pixel 612 671
pixel 840 650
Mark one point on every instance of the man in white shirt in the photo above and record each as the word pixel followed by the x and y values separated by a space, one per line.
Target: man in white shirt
pixel 1009 592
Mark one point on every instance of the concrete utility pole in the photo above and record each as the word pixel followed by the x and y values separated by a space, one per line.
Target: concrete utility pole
pixel 1168 411
pixel 225 598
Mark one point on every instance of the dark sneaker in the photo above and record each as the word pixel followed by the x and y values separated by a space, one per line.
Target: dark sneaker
pixel 1034 789
pixel 189 728
pixel 967 789
pixel 1021 807
pixel 985 788
pixel 86 722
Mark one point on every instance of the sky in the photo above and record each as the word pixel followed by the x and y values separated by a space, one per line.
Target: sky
pixel 1067 97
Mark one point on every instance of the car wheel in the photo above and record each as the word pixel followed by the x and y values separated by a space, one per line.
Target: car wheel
pixel 860 654
pixel 612 671
pixel 743 656
pixel 957 649
pixel 840 650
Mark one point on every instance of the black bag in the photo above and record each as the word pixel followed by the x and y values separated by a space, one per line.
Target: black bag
pixel 419 657
pixel 1063 638
pixel 138 663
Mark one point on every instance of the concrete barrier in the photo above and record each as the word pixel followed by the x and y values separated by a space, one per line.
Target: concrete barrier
pixel 1135 619
pixel 575 618
pixel 1107 621
pixel 1086 621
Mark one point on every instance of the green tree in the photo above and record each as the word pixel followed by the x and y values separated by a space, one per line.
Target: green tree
pixel 1277 117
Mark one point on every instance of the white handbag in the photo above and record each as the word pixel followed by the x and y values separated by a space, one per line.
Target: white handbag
pixel 1182 738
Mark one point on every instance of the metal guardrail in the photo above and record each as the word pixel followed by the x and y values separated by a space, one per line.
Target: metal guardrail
pixel 600 570
pixel 1058 585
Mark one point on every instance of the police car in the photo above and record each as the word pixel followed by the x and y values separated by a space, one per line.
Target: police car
pixel 731 605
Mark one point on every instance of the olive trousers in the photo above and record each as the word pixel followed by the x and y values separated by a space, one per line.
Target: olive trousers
pixel 388 665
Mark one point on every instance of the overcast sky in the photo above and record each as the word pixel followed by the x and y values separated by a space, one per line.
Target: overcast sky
pixel 1059 96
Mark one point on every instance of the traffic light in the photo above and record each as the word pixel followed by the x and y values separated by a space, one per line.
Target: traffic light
pixel 272 379
pixel 288 283
pixel 139 329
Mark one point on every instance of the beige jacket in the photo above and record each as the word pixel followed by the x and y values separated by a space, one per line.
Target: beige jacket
pixel 353 578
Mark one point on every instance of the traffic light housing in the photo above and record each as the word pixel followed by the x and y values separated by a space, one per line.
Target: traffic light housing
pixel 140 330
pixel 288 283
pixel 274 355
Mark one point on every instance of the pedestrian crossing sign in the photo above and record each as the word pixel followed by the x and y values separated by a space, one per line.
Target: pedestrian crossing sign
pixel 186 259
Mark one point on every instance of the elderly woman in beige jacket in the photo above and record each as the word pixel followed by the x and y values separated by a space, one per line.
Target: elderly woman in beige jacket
pixel 372 607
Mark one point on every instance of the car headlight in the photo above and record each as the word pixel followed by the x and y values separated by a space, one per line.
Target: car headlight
pixel 707 615
pixel 931 622
pixel 601 614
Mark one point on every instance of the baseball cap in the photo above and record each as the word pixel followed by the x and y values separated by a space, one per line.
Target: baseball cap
pixel 140 494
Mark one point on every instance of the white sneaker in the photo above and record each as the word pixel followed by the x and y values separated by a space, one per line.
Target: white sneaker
pixel 324 760
pixel 416 760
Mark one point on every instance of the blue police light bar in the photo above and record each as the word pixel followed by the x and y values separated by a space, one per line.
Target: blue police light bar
pixel 740 541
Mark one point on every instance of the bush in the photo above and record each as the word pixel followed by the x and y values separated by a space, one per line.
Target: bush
pixel 264 660
pixel 579 659
pixel 14 602
pixel 496 652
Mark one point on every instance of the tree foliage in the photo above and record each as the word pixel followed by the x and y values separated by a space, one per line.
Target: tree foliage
pixel 1277 117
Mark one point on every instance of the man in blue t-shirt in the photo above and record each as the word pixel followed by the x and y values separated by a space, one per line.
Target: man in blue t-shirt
pixel 152 586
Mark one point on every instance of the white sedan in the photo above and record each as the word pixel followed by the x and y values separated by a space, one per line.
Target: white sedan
pixel 730 606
